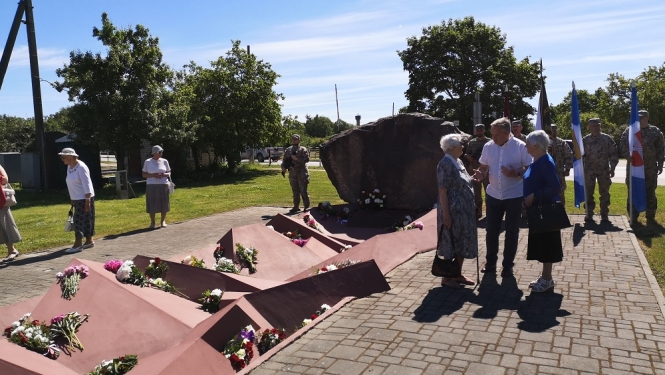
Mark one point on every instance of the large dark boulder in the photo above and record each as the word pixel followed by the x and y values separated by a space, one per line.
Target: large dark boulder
pixel 397 155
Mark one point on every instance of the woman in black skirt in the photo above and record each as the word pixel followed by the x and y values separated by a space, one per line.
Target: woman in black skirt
pixel 541 185
pixel 157 171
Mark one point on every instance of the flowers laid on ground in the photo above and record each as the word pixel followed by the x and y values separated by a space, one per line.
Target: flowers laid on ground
pixel 32 335
pixel 128 273
pixel 300 242
pixel 156 268
pixel 296 238
pixel 165 286
pixel 345 248
pixel 406 224
pixel 270 338
pixel 318 313
pixel 65 326
pixel 210 300
pixel 373 199
pixel 193 261
pixel 113 265
pixel 328 211
pixel 247 257
pixel 336 266
pixel 70 278
pixel 226 265
pixel 311 222
pixel 219 252
pixel 116 366
pixel 239 349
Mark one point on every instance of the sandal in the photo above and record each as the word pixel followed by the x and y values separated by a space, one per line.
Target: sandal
pixel 465 280
pixel 14 254
pixel 450 283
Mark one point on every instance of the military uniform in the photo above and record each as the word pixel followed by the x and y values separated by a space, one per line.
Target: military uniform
pixel 563 159
pixel 600 159
pixel 298 174
pixel 522 137
pixel 652 152
pixel 475 149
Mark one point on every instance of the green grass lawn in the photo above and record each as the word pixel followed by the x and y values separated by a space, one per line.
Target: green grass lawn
pixel 41 217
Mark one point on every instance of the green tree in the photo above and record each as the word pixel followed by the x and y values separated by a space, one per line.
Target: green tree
pixel 58 121
pixel 18 134
pixel 116 96
pixel 291 126
pixel 453 61
pixel 319 126
pixel 235 104
pixel 341 125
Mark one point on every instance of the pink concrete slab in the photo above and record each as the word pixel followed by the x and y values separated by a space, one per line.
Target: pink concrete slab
pixel 319 248
pixel 16 360
pixel 123 318
pixel 283 223
pixel 388 250
pixel 299 299
pixel 192 356
pixel 278 258
pixel 230 297
pixel 11 313
pixel 205 253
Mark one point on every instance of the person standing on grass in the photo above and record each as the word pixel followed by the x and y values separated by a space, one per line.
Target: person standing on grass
pixel 82 198
pixel 9 234
pixel 298 172
pixel 156 171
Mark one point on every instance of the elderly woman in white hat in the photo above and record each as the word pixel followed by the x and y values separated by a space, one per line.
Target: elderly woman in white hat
pixel 156 171
pixel 82 196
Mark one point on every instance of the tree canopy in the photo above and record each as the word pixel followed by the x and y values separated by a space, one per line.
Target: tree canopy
pixel 453 61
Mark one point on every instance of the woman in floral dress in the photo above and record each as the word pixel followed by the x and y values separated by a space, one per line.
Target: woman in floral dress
pixel 456 213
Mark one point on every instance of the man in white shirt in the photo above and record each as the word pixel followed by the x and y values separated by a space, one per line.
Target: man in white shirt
pixel 505 160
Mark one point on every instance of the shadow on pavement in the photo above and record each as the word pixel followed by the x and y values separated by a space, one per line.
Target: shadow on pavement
pixel 539 312
pixel 647 232
pixel 20 261
pixel 491 298
pixel 131 232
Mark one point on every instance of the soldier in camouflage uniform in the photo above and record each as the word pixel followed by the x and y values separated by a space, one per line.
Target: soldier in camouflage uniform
pixel 516 127
pixel 600 160
pixel 652 152
pixel 298 173
pixel 473 152
pixel 563 159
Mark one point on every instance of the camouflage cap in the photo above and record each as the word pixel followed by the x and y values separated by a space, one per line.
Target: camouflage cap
pixel 517 122
pixel 594 121
pixel 479 127
pixel 296 136
pixel 554 127
pixel 643 112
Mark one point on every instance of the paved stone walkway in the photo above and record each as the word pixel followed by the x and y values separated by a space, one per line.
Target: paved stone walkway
pixel 605 317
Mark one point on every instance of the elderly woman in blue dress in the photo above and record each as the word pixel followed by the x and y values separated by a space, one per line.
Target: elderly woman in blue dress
pixel 456 213
pixel 541 185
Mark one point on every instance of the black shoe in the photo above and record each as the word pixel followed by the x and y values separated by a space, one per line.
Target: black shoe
pixel 294 209
pixel 306 209
pixel 507 272
pixel 488 268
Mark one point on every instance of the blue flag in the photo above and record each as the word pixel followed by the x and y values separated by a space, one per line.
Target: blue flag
pixel 578 150
pixel 638 190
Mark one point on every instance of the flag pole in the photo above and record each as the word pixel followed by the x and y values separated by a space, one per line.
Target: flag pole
pixel 586 205
pixel 630 169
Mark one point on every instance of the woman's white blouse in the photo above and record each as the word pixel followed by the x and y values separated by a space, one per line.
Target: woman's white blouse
pixel 156 166
pixel 78 181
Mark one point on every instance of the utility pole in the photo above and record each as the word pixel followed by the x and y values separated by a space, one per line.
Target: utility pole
pixel 477 111
pixel 337 104
pixel 25 7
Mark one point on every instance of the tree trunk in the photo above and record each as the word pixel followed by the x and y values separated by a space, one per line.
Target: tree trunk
pixel 120 160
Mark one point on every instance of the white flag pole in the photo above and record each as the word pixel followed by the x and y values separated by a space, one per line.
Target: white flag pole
pixel 630 167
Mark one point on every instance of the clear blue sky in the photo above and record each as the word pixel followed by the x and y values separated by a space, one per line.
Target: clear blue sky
pixel 314 45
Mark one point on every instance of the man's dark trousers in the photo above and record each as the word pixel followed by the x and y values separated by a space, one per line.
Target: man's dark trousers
pixel 496 208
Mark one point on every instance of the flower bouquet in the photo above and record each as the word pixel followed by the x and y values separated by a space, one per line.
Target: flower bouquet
pixel 247 257
pixel 371 199
pixel 270 338
pixel 65 327
pixel 239 350
pixel 318 313
pixel 226 265
pixel 156 268
pixel 311 222
pixel 210 300
pixel 113 265
pixel 326 208
pixel 165 286
pixel 218 253
pixel 292 235
pixel 128 273
pixel 406 224
pixel 336 266
pixel 300 242
pixel 32 335
pixel 70 278
pixel 116 366
pixel 193 261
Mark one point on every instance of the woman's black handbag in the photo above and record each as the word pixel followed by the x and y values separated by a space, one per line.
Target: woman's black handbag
pixel 445 267
pixel 547 217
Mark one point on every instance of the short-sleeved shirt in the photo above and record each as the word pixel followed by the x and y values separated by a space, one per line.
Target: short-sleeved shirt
pixel 79 182
pixel 160 165
pixel 513 154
